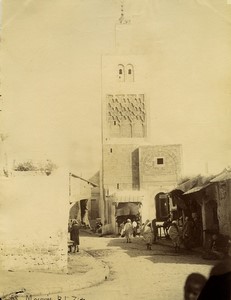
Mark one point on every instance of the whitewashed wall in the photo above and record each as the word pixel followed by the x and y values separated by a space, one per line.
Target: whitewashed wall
pixel 34 212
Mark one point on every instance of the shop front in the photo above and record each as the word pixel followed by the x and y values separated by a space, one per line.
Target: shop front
pixel 128 205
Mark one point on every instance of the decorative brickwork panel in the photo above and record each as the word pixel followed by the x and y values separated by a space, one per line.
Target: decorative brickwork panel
pixel 168 158
pixel 126 115
pixel 160 163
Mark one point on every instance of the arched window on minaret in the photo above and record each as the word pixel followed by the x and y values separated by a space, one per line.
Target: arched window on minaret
pixel 120 73
pixel 129 73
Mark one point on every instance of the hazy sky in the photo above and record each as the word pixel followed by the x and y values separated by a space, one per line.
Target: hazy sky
pixel 51 77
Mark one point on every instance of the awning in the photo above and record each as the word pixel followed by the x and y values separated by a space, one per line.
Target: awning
pixel 128 209
pixel 128 196
pixel 196 189
pixel 225 175
pixel 78 177
pixel 187 185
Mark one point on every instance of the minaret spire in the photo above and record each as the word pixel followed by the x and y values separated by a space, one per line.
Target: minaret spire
pixel 122 19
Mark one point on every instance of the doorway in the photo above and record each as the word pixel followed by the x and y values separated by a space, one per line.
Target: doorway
pixel 162 207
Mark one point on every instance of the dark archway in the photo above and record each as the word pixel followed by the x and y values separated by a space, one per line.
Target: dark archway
pixel 162 207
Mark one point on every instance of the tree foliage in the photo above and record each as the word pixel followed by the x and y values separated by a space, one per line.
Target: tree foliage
pixel 29 165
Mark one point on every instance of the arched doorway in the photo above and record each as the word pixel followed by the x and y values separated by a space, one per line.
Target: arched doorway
pixel 162 207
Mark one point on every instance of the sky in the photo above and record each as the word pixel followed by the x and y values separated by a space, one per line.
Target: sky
pixel 51 77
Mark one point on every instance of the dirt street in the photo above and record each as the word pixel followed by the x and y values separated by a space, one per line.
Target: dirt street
pixel 137 273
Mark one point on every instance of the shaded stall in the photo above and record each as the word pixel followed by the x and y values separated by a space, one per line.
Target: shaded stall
pixel 195 200
pixel 128 205
pixel 208 199
pixel 202 207
pixel 179 200
pixel 127 210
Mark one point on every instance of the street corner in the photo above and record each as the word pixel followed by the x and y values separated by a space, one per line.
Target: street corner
pixel 84 271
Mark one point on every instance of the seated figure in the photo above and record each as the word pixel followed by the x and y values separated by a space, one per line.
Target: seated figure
pixel 219 247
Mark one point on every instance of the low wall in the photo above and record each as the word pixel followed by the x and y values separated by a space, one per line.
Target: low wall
pixel 34 211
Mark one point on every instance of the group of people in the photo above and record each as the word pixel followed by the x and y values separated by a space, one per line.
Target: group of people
pixel 149 232
pixel 129 229
pixel 187 233
pixel 133 228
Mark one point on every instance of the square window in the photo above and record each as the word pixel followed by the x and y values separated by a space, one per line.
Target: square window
pixel 160 161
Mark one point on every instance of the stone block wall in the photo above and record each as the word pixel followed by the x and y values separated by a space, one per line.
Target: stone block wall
pixel 118 166
pixel 33 222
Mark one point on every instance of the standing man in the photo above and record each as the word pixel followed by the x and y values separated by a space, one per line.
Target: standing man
pixel 147 234
pixel 134 227
pixel 75 235
pixel 128 230
pixel 175 235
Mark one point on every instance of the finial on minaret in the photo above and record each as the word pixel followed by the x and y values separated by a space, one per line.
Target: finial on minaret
pixel 122 20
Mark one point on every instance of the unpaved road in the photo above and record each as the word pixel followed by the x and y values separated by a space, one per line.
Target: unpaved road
pixel 137 273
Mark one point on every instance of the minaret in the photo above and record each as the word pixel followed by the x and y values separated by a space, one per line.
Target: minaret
pixel 123 34
pixel 124 108
pixel 124 88
pixel 131 167
pixel 122 19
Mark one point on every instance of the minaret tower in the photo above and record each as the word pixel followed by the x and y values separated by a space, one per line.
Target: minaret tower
pixel 133 170
pixel 124 107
